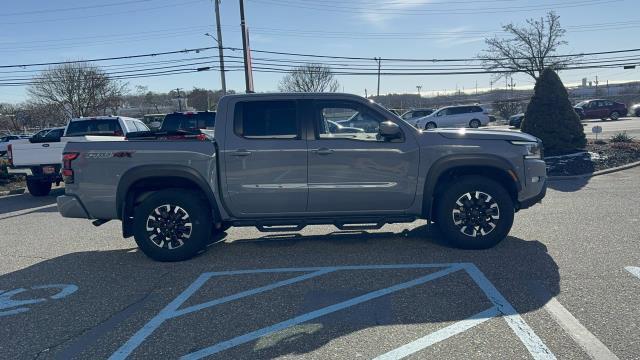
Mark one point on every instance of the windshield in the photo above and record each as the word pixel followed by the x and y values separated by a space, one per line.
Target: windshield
pixel 582 103
pixel 189 121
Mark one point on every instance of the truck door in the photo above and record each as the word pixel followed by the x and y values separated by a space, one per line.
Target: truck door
pixel 355 172
pixel 266 159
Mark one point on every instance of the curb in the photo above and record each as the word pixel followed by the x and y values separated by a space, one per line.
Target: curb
pixel 600 172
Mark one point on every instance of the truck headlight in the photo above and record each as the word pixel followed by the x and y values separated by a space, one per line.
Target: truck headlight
pixel 533 149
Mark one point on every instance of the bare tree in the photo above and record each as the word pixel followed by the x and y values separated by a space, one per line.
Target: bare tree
pixel 310 78
pixel 8 120
pixel 527 49
pixel 82 88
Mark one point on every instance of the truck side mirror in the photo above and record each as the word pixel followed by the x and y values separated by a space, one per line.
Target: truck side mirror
pixel 389 130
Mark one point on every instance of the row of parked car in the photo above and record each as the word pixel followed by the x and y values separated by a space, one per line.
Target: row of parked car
pixel 592 109
pixel 40 156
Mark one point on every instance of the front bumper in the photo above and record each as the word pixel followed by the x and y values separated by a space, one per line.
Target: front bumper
pixel 535 183
pixel 70 206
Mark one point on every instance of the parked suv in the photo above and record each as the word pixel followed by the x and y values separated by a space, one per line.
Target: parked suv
pixel 635 110
pixel 412 116
pixel 472 116
pixel 601 109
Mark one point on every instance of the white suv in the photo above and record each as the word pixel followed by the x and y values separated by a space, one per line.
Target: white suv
pixel 455 116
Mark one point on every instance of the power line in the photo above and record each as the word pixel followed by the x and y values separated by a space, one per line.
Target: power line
pixel 83 17
pixel 419 12
pixel 74 8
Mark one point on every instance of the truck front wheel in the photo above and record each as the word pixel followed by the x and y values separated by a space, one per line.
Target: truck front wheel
pixel 38 187
pixel 474 212
pixel 172 225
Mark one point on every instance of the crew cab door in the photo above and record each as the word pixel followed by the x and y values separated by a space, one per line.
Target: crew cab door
pixel 265 159
pixel 358 172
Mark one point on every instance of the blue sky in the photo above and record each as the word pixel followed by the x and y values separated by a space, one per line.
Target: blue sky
pixel 42 31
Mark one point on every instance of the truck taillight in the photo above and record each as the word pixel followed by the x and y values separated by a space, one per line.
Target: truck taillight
pixel 67 172
pixel 10 154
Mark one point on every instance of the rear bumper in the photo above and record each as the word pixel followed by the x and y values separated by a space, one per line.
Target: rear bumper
pixel 70 206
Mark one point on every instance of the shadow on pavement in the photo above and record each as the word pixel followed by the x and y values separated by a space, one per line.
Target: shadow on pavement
pixel 571 185
pixel 27 201
pixel 120 291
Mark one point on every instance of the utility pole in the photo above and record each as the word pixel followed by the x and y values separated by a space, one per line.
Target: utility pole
pixel 419 87
pixel 248 77
pixel 379 60
pixel 476 87
pixel 365 94
pixel 220 50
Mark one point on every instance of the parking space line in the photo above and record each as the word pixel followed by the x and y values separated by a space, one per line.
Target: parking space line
pixel 171 310
pixel 527 336
pixel 214 349
pixel 635 271
pixel 25 211
pixel 531 341
pixel 583 337
pixel 242 294
pixel 440 335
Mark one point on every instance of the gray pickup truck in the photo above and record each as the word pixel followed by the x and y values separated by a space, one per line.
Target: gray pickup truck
pixel 274 163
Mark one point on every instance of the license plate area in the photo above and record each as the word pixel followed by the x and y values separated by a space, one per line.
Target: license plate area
pixel 48 170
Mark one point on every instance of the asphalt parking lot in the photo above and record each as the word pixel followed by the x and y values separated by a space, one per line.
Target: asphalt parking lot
pixel 564 285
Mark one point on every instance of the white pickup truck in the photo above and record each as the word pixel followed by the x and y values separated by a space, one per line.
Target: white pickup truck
pixel 40 158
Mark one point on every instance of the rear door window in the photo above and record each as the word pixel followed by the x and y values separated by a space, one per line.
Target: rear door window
pixel 266 119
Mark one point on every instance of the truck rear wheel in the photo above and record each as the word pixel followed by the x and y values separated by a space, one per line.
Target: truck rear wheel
pixel 172 225
pixel 475 212
pixel 38 187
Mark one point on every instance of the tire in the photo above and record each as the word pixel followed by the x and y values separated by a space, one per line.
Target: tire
pixel 614 115
pixel 451 219
pixel 163 214
pixel 38 187
pixel 430 125
pixel 475 123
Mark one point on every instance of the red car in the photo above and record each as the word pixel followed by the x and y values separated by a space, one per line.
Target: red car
pixel 601 109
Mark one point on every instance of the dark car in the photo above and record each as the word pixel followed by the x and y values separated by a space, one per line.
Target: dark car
pixel 200 120
pixel 516 120
pixel 601 109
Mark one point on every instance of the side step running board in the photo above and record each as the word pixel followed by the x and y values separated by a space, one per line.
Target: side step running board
pixel 280 228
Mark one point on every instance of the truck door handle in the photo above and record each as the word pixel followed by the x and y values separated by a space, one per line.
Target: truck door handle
pixel 241 152
pixel 323 151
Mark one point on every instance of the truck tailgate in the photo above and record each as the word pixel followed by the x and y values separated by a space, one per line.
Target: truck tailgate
pixel 28 154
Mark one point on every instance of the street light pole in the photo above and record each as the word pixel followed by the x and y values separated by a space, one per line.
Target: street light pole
pixel 220 50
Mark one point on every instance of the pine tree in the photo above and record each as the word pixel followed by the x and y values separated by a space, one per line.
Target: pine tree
pixel 551 117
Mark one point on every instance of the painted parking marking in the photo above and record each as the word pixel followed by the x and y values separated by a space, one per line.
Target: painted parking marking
pixel 20 306
pixel 501 307
pixel 440 335
pixel 635 271
pixel 580 334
